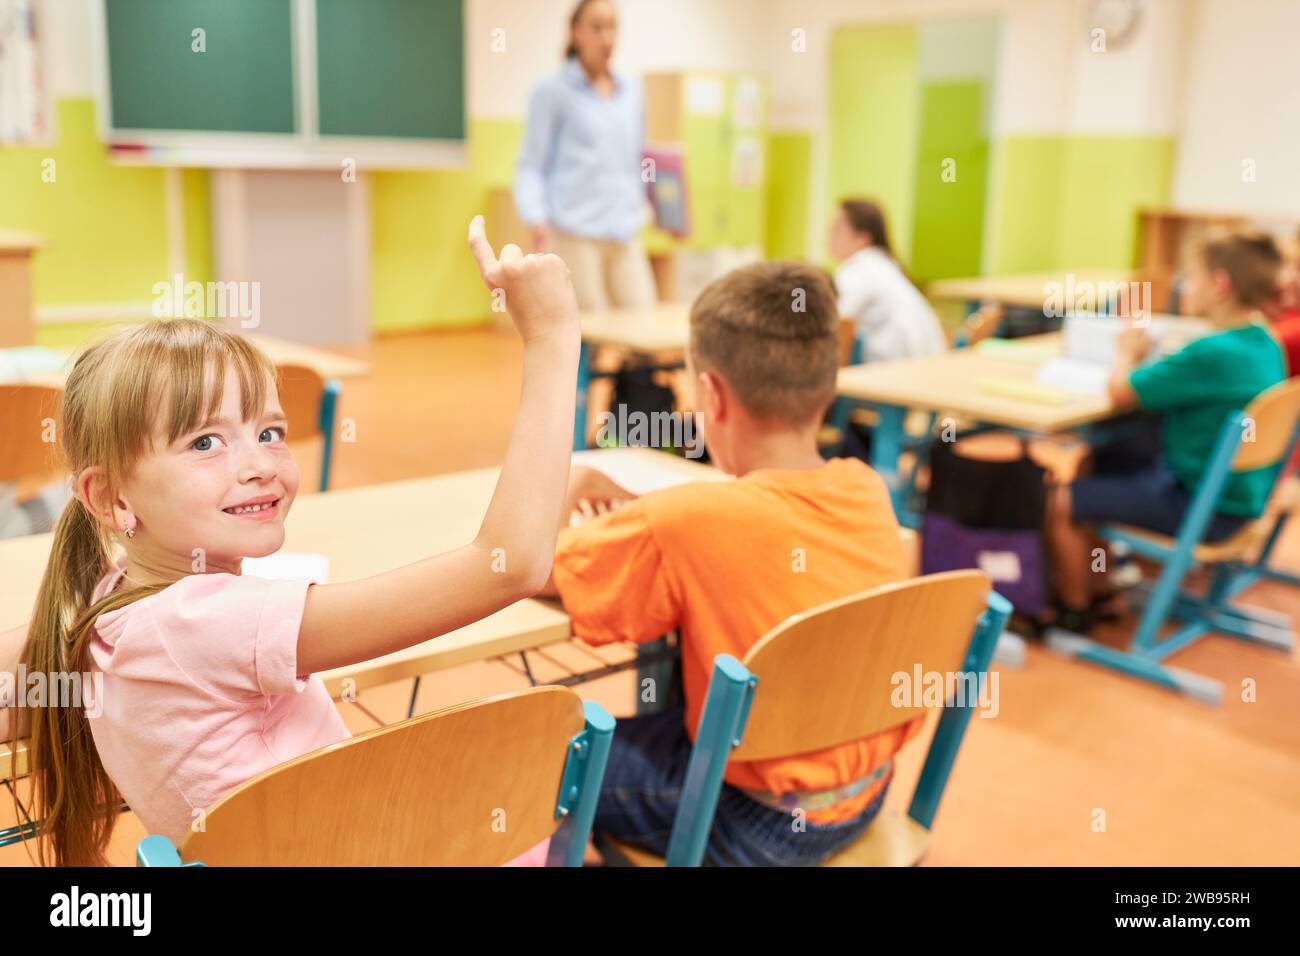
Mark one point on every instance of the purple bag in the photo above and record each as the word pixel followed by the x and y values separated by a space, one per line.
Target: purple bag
pixel 1013 560
pixel 987 515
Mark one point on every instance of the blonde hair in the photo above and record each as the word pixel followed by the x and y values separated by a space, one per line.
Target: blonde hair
pixel 121 389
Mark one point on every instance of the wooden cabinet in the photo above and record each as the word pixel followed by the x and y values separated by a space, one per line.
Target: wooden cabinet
pixel 17 322
pixel 1164 234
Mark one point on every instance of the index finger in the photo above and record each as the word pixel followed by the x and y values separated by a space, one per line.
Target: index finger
pixel 480 247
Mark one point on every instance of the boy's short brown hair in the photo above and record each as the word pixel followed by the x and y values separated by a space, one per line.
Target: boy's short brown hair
pixel 1251 260
pixel 772 331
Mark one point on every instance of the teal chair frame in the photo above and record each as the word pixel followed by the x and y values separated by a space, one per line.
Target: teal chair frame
pixel 1261 569
pixel 329 401
pixel 1147 651
pixel 575 803
pixel 722 728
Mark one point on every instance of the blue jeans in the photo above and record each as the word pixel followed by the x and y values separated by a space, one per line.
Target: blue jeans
pixel 643 787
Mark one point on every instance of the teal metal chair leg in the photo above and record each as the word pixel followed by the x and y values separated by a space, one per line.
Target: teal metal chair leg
pixel 844 405
pixel 886 446
pixel 722 726
pixel 158 851
pixel 329 401
pixel 1197 686
pixel 1213 611
pixel 840 413
pixel 1148 649
pixel 952 725
pixel 1261 570
pixel 580 405
pixel 584 769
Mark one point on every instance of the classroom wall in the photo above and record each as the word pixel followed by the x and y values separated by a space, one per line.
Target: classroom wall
pixel 422 276
pixel 1063 123
pixel 1241 96
pixel 1086 140
pixel 1076 141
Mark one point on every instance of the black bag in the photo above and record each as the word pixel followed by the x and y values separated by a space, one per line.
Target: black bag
pixel 988 515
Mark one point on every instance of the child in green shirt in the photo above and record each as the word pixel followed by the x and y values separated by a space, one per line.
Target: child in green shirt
pixel 1228 280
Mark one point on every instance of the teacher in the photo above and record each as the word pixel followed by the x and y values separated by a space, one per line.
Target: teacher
pixel 578 185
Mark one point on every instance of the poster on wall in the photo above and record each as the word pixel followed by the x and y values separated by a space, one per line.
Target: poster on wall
pixel 747 162
pixel 23 117
pixel 747 106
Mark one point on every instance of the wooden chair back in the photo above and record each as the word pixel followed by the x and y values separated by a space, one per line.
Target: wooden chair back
pixel 30 420
pixel 826 677
pixel 470 785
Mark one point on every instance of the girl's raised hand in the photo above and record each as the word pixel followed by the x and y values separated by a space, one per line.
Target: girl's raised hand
pixel 538 291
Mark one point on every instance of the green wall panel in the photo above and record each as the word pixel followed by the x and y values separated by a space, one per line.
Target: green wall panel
pixel 105 225
pixel 788 194
pixel 949 211
pixel 874 118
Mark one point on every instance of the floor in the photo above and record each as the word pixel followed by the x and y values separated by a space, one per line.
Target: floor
pixel 1079 766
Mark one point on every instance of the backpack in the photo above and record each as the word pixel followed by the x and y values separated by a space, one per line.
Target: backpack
pixel 988 515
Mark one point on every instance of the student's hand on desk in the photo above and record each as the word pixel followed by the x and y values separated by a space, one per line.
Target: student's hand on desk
pixel 593 493
pixel 538 292
pixel 1134 344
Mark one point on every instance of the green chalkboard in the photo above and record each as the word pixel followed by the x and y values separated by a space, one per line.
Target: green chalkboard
pixel 236 75
pixel 391 68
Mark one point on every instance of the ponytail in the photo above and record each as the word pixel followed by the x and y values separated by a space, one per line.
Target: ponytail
pixel 74 800
pixel 868 219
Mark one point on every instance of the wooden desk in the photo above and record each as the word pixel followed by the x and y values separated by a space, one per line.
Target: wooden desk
pixel 951 384
pixel 1028 291
pixel 281 352
pixel 17 322
pixel 662 330
pixel 366 531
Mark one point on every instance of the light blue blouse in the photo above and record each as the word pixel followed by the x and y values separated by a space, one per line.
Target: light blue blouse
pixel 580 168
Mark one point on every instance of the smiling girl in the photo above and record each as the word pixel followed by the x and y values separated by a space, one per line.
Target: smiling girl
pixel 175 437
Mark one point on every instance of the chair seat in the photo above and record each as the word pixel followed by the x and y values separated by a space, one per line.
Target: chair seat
pixel 1232 548
pixel 893 839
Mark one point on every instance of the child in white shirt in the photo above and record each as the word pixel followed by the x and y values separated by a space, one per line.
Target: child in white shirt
pixel 894 320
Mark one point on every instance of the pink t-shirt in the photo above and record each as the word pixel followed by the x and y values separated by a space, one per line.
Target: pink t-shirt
pixel 201 692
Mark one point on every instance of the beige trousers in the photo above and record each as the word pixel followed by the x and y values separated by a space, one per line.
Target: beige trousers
pixel 607 274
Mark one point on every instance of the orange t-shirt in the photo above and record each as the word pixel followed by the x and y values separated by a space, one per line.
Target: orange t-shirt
pixel 721 563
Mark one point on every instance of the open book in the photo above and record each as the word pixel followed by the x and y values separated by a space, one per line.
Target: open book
pixel 1091 342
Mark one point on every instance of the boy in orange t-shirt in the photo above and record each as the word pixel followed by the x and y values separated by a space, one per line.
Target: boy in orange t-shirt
pixel 724 562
